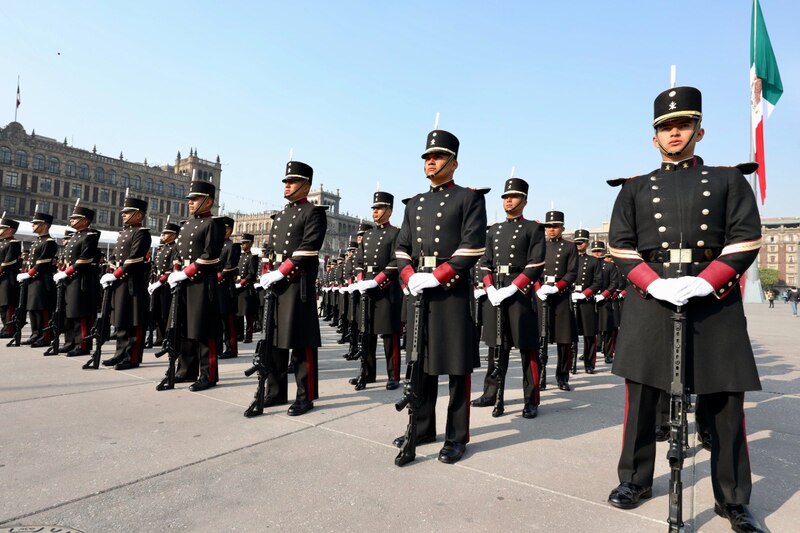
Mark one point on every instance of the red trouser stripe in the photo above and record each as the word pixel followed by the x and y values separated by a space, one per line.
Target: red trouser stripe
pixel 212 360
pixel 534 359
pixel 138 345
pixel 45 323
pixel 84 333
pixel 310 392
pixel 395 356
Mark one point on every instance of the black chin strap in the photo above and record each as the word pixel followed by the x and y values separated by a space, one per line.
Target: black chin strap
pixel 678 152
pixel 452 156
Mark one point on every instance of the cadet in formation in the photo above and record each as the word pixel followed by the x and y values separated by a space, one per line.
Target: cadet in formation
pixel 38 274
pixel 247 299
pixel 10 264
pixel 227 299
pixel 163 266
pixel 588 284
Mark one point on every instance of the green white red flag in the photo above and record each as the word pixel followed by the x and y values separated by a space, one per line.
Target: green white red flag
pixel 765 87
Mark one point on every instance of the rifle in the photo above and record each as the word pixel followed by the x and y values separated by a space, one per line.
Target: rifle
pixel 20 314
pixel 544 332
pixel 172 339
pixel 677 422
pixel 56 323
pixel 100 329
pixel 363 348
pixel 151 322
pixel 261 357
pixel 577 314
pixel 413 386
pixel 499 372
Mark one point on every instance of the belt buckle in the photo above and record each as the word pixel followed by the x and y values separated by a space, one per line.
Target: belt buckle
pixel 504 269
pixel 680 256
pixel 186 263
pixel 578 288
pixel 550 280
pixel 427 261
pixel 278 258
pixel 370 269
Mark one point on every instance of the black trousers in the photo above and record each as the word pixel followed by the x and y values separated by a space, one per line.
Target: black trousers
pixel 564 362
pixel 229 333
pixel 77 331
pixel 306 374
pixel 130 344
pixel 722 414
pixel 198 358
pixel 589 352
pixel 530 373
pixel 245 325
pixel 39 321
pixel 457 427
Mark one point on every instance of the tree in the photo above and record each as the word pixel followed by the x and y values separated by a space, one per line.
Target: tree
pixel 768 276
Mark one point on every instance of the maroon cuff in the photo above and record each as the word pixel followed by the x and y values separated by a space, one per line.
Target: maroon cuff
pixel 70 270
pixel 605 294
pixel 119 272
pixel 380 278
pixel 286 267
pixel 561 285
pixel 406 273
pixel 488 280
pixel 190 270
pixel 360 276
pixel 623 293
pixel 523 283
pixel 32 272
pixel 721 276
pixel 242 282
pixel 163 279
pixel 588 293
pixel 642 276
pixel 444 273
pixel 537 286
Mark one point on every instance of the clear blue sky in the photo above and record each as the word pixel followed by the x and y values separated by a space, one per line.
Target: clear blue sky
pixel 563 91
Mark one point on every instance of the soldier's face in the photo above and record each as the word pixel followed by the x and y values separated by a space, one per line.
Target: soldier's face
pixel 676 136
pixel 228 231
pixel 553 232
pixel 598 253
pixel 295 189
pixel 582 246
pixel 246 246
pixel 6 233
pixel 78 223
pixel 40 228
pixel 199 204
pixel 438 162
pixel 380 215
pixel 167 237
pixel 513 204
pixel 131 217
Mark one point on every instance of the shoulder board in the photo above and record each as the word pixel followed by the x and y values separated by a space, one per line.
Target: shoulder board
pixel 480 190
pixel 145 229
pixel 51 239
pixel 406 200
pixel 273 215
pixel 13 240
pixel 184 221
pixel 322 207
pixel 616 182
pixel 747 168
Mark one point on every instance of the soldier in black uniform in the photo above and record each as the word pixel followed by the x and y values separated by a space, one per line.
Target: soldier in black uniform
pixel 226 296
pixel 511 265
pixel 442 237
pixel 38 273
pixel 588 284
pixel 247 299
pixel 350 292
pixel 10 264
pixel 130 302
pixel 684 234
pixel 163 265
pixel 560 272
pixel 297 235
pixel 81 277
pixel 378 285
pixel 605 306
pixel 199 246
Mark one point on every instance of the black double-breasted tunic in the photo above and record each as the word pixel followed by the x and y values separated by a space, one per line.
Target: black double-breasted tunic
pixel 686 219
pixel 41 267
pixel 560 271
pixel 130 302
pixel 514 253
pixel 444 232
pixel 198 246
pixel 10 264
pixel 82 255
pixel 611 284
pixel 297 235
pixel 589 282
pixel 248 267
pixel 163 266
pixel 227 294
pixel 376 261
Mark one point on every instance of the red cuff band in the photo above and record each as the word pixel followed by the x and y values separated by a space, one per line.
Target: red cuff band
pixel 286 267
pixel 162 279
pixel 360 276
pixel 406 273
pixel 32 272
pixel 242 282
pixel 642 276
pixel 561 285
pixel 190 270
pixel 522 281
pixel 380 278
pixel 488 280
pixel 444 272
pixel 119 272
pixel 720 276
pixel 605 294
pixel 70 270
pixel 588 293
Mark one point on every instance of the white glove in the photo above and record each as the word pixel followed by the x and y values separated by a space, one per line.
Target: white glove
pixel 477 293
pixel 545 291
pixel 58 276
pixel 420 281
pixel 503 293
pixel 256 286
pixel 599 298
pixel 577 296
pixel 406 291
pixel 491 294
pixel 107 279
pixel 271 277
pixel 366 284
pixel 353 287
pixel 176 277
pixel 666 290
pixel 153 286
pixel 692 287
pixel 22 276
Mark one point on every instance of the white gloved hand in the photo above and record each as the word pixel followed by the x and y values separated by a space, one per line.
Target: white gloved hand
pixel 153 286
pixel 504 292
pixel 353 287
pixel 271 277
pixel 491 294
pixel 366 284
pixel 406 291
pixel 693 287
pixel 599 298
pixel 577 296
pixel 22 276
pixel 176 277
pixel 666 290
pixel 478 293
pixel 256 286
pixel 545 291
pixel 107 279
pixel 58 276
pixel 420 281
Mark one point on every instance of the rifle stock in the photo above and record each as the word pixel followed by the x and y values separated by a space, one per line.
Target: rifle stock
pixel 412 387
pixel 172 339
pixel 20 313
pixel 56 324
pixel 363 348
pixel 99 329
pixel 677 423
pixel 261 357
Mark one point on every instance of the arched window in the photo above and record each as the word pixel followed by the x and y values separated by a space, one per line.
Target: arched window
pixel 83 172
pixel 54 165
pixel 112 177
pixel 136 183
pixel 171 189
pixel 99 175
pixel 148 184
pixel 181 192
pixel 21 159
pixel 125 180
pixel 160 187
pixel 71 169
pixel 5 155
pixel 38 162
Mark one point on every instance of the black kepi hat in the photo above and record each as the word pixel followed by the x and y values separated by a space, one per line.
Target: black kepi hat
pixel 202 188
pixel 82 212
pixel 678 102
pixel 6 222
pixel 134 204
pixel 40 217
pixel 247 237
pixel 353 245
pixel 441 141
pixel 598 246
pixel 295 170
pixel 382 199
pixel 228 221
pixel 171 227
pixel 554 218
pixel 515 186
pixel 581 235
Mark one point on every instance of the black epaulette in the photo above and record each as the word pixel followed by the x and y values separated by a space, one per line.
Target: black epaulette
pixel 747 168
pixel 322 207
pixel 616 182
pixel 483 191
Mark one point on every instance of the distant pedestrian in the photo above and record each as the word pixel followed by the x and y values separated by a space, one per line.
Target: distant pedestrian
pixel 792 297
pixel 771 298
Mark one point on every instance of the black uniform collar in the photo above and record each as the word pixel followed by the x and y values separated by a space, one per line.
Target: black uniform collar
pixel 555 239
pixel 298 202
pixel 515 219
pixel 204 214
pixel 386 225
pixel 682 165
pixel 442 186
pixel 129 226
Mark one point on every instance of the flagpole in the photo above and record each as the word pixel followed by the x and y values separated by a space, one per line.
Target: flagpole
pixel 16 101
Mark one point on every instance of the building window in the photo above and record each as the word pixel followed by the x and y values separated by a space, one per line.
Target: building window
pixel 99 175
pixel 136 183
pixel 44 206
pixel 105 195
pixel 125 181
pixel 102 216
pixel 38 162
pixel 112 177
pixel 5 155
pixel 21 159
pixel 11 180
pixel 71 169
pixel 53 165
pixel 152 222
pixel 171 189
pixel 176 208
pixel 148 185
pixel 160 188
pixel 10 204
pixel 45 185
pixel 76 190
pixel 83 172
pixel 181 192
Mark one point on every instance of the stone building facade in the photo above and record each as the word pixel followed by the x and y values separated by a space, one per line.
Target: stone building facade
pixel 37 170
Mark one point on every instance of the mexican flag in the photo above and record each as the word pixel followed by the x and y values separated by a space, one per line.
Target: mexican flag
pixel 765 85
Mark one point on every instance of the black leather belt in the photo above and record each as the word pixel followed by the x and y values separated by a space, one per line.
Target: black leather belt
pixel 681 256
pixel 508 269
pixel 427 263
